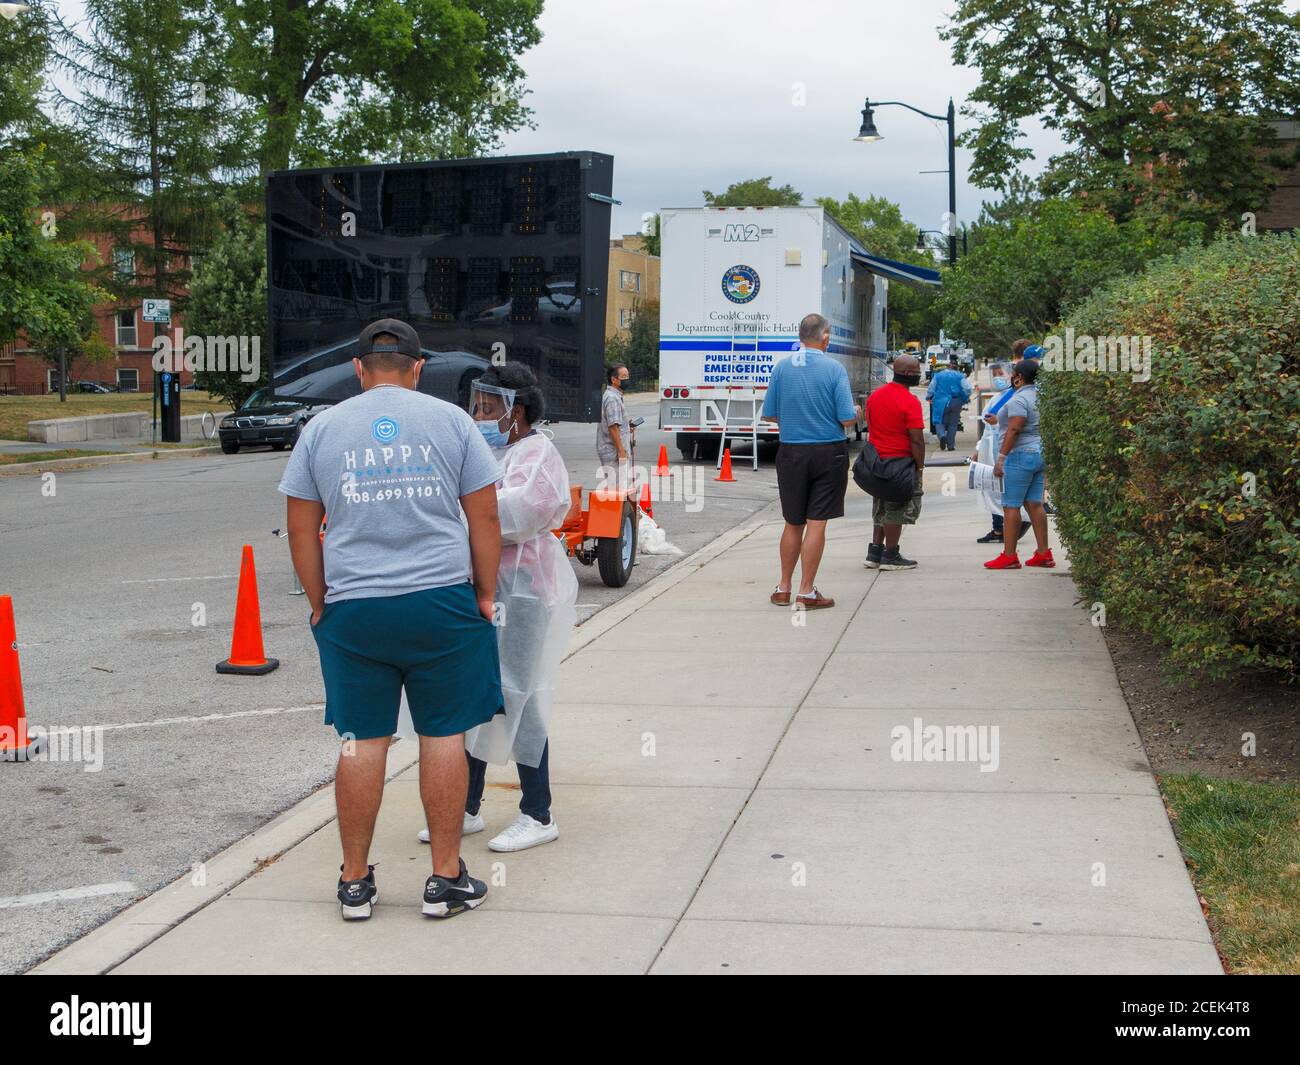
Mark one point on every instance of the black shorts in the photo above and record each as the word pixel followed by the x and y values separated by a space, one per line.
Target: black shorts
pixel 812 479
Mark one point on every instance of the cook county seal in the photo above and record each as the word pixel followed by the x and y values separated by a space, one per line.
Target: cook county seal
pixel 740 284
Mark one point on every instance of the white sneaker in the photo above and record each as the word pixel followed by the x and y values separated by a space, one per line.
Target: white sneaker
pixel 524 833
pixel 472 823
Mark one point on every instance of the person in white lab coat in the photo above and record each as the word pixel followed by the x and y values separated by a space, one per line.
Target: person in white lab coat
pixel 535 602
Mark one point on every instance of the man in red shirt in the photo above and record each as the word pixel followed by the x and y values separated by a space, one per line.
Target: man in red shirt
pixel 894 428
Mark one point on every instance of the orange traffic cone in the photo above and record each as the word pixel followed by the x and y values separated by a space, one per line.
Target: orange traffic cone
pixel 661 468
pixel 725 475
pixel 15 745
pixel 246 654
pixel 645 503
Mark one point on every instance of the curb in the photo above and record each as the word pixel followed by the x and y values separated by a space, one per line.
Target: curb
pixel 12 469
pixel 153 916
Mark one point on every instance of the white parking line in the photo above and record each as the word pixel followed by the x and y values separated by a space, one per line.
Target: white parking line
pixel 169 580
pixel 270 710
pixel 91 891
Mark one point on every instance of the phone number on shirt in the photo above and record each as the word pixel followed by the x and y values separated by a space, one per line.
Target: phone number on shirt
pixel 386 495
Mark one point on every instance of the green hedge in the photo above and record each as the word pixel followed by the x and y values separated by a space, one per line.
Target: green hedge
pixel 1152 479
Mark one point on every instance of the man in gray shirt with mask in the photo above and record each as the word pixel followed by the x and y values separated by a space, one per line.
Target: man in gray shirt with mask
pixel 613 434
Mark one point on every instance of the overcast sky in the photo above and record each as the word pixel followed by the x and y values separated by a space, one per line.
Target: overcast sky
pixel 690 95
pixel 694 94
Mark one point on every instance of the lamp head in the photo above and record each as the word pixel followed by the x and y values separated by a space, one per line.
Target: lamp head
pixel 868 132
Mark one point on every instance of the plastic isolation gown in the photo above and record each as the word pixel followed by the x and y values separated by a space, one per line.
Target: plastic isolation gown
pixel 536 596
pixel 986 451
pixel 945 385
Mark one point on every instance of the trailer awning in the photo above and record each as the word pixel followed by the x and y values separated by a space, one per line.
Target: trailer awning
pixel 920 276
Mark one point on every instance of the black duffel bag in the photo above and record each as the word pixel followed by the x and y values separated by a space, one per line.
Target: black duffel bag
pixel 893 480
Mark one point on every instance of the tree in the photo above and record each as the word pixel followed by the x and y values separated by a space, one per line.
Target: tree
pixel 639 349
pixel 1019 279
pixel 43 291
pixel 385 80
pixel 24 51
pixel 651 236
pixel 756 192
pixel 879 225
pixel 164 143
pixel 61 351
pixel 228 297
pixel 1162 103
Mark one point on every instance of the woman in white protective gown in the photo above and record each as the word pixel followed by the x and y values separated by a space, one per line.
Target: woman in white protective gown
pixel 535 603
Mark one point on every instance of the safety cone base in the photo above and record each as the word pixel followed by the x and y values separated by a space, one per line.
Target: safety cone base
pixel 725 471
pixel 258 670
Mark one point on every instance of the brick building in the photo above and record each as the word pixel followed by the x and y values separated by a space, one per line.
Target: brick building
pixel 633 276
pixel 121 324
pixel 1283 211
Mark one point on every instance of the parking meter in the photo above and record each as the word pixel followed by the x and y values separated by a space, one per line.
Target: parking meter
pixel 169 399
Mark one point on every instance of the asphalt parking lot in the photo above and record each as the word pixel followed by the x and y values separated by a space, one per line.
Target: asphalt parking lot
pixel 123 581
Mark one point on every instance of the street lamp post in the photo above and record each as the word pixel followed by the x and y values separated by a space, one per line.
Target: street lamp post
pixel 868 133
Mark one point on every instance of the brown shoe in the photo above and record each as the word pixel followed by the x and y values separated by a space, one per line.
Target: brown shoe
pixel 779 598
pixel 816 601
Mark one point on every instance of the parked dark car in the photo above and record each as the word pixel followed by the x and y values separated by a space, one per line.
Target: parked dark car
pixel 91 386
pixel 326 375
pixel 265 419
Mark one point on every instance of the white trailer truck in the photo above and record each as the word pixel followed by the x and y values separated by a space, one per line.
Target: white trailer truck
pixel 735 283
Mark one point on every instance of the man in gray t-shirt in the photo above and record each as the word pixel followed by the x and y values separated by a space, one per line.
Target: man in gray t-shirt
pixel 613 434
pixel 401 588
pixel 389 466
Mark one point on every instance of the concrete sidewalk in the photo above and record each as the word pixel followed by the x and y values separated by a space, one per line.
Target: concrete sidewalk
pixel 728 798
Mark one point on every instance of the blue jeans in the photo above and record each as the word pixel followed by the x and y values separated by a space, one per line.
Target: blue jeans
pixel 534 783
pixel 1022 478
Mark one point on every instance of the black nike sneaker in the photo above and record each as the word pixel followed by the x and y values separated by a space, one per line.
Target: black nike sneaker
pixel 358 897
pixel 990 537
pixel 444 897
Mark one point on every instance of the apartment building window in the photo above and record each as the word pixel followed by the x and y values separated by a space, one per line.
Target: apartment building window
pixel 629 281
pixel 128 379
pixel 624 318
pixel 126 333
pixel 124 263
pixel 51 381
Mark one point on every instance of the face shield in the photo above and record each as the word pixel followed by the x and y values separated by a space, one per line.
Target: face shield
pixel 492 408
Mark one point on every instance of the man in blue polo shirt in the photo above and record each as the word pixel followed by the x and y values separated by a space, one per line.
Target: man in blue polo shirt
pixel 809 399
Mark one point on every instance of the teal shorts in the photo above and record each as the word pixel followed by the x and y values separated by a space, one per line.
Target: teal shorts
pixel 433 643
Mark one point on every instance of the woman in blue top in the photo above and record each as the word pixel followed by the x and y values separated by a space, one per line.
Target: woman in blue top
pixel 1020 465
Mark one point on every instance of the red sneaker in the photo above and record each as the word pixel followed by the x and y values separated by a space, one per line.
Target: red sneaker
pixel 1042 558
pixel 1004 561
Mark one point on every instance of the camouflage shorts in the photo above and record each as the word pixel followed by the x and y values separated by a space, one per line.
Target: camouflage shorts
pixel 884 512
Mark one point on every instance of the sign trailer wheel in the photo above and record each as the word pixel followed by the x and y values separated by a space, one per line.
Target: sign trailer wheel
pixel 617 555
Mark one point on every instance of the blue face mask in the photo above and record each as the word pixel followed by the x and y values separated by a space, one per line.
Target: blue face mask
pixel 1001 384
pixel 492 433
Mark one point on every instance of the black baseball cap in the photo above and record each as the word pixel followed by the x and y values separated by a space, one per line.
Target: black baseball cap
pixel 408 342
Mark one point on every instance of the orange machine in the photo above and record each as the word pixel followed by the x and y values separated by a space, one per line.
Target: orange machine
pixel 603 533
